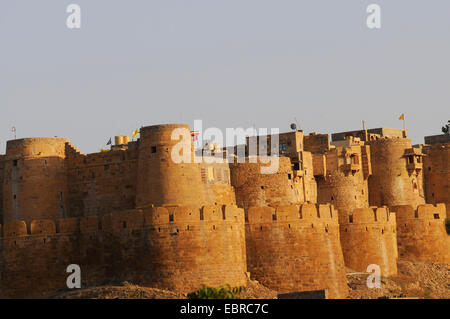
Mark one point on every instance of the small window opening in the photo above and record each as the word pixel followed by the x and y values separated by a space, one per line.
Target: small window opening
pixel 153 149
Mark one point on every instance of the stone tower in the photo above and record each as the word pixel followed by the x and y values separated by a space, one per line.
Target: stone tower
pixel 397 177
pixel 344 183
pixel 35 181
pixel 256 189
pixel 161 181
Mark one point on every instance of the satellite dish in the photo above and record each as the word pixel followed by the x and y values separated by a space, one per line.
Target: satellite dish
pixel 293 126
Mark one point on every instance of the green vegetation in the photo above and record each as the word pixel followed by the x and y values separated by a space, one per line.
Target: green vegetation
pixel 446 128
pixel 217 293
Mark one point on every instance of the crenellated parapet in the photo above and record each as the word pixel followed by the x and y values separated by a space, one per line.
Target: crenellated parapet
pixel 179 247
pixel 421 233
pixel 368 236
pixel 296 248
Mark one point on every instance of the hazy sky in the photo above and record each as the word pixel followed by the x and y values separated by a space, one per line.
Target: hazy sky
pixel 231 63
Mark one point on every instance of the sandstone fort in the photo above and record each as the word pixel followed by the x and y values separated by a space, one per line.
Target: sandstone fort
pixel 132 214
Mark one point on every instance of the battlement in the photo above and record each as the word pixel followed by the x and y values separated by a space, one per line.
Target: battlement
pixel 377 215
pixel 303 212
pixel 368 236
pixel 128 219
pixel 295 248
pixel 421 233
pixel 423 212
pixel 146 245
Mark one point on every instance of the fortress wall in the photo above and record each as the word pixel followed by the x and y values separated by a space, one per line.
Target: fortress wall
pixel 316 143
pixel 185 249
pixel 35 182
pixel 437 174
pixel 368 236
pixel 33 264
pixel 256 189
pixel 296 248
pixel 394 181
pixel 344 184
pixel 421 233
pixel 102 182
pixel 179 248
pixel 161 180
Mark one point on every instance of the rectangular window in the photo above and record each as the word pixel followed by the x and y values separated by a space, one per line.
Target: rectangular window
pixel 153 149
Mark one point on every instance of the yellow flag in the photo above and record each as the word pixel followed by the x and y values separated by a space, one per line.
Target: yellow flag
pixel 402 117
pixel 135 132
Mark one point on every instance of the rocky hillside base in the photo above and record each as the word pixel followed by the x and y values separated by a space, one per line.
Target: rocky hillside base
pixel 414 280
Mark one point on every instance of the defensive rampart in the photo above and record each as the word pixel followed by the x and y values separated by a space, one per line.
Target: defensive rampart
pixel 296 248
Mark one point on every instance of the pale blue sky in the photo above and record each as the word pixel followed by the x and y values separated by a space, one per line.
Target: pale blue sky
pixel 231 63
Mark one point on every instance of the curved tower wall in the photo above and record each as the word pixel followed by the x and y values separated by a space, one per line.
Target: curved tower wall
pixel 369 237
pixel 161 181
pixel 296 248
pixel 35 181
pixel 189 248
pixel 256 189
pixel 421 233
pixel 397 177
pixel 345 183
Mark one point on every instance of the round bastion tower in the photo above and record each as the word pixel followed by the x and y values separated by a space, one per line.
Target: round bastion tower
pixel 345 184
pixel 35 180
pixel 255 189
pixel 161 181
pixel 397 177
